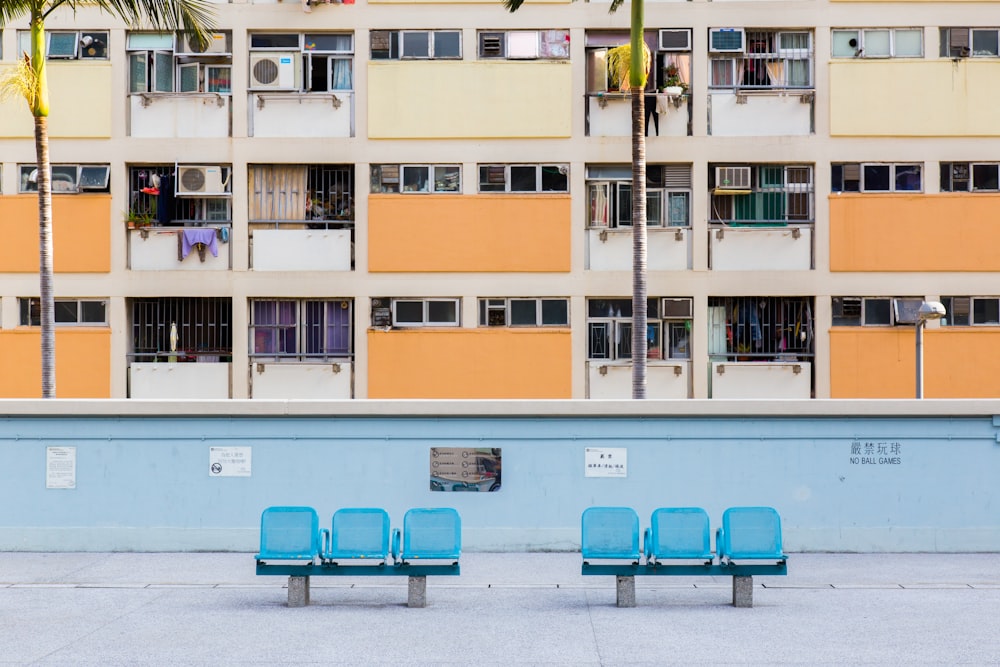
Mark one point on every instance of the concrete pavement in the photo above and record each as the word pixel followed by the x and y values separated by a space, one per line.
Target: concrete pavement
pixel 505 609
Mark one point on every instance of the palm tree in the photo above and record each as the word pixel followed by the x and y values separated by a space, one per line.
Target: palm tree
pixel 635 55
pixel 30 80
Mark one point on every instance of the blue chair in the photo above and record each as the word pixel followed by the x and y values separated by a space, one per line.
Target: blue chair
pixel 429 534
pixel 358 532
pixel 750 533
pixel 679 532
pixel 610 532
pixel 289 533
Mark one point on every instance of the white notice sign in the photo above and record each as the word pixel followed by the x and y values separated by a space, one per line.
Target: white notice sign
pixel 606 462
pixel 229 461
pixel 60 467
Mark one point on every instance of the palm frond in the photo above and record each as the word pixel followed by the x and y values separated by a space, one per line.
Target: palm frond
pixel 619 65
pixel 194 17
pixel 512 5
pixel 615 4
pixel 12 10
pixel 20 81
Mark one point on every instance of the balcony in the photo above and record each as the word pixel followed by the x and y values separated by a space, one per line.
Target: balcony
pixel 180 115
pixel 664 379
pixel 190 381
pixel 610 115
pixel 751 379
pixel 302 115
pixel 756 113
pixel 760 249
pixel 180 249
pixel 668 249
pixel 302 380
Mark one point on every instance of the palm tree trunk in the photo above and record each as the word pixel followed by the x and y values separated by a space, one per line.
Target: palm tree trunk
pixel 639 289
pixel 47 301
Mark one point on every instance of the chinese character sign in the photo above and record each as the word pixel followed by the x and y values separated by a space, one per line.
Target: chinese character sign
pixel 605 462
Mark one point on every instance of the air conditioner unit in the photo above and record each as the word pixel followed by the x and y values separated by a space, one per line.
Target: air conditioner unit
pixel 216 44
pixel 274 71
pixel 675 40
pixel 732 178
pixel 726 40
pixel 200 181
pixel 676 308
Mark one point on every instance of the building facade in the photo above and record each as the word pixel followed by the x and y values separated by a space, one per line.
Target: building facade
pixel 432 200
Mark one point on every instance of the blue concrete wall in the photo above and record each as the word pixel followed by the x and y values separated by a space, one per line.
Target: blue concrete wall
pixel 143 483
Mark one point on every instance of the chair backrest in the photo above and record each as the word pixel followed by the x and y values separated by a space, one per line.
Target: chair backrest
pixel 751 532
pixel 434 533
pixel 609 532
pixel 289 533
pixel 679 532
pixel 359 532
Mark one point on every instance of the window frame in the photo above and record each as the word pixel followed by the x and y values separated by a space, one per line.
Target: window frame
pixel 893 176
pixel 102 37
pixel 614 187
pixel 948 179
pixel 488 305
pixel 378 182
pixel 860 37
pixel 301 327
pixel 662 346
pixel 505 39
pixel 25 170
pixel 29 314
pixel 396 44
pixel 562 168
pixel 153 60
pixel 425 321
pixel 775 54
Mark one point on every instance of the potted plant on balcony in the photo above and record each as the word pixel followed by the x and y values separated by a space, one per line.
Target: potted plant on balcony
pixel 672 84
pixel 138 219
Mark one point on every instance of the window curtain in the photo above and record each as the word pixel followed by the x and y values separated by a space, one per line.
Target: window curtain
pixel 274 327
pixel 278 193
pixel 599 205
pixel 342 79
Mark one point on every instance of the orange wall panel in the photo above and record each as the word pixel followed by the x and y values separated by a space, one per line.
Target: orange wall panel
pixel 959 362
pixel 470 363
pixel 942 232
pixel 81 233
pixel 482 233
pixel 83 363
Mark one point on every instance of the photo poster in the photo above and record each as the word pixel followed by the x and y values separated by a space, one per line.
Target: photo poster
pixel 465 469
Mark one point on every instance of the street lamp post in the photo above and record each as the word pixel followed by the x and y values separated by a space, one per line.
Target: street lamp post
pixel 929 310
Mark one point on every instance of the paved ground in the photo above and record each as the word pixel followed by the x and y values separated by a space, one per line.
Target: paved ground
pixel 505 609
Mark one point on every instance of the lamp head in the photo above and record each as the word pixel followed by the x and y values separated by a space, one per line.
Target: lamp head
pixel 931 310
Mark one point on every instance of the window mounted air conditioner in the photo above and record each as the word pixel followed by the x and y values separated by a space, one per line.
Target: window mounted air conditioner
pixel 193 180
pixel 676 308
pixel 958 41
pixel 726 40
pixel 216 44
pixel 675 40
pixel 732 178
pixel 274 71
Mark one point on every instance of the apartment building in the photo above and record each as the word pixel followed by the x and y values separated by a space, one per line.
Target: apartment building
pixel 432 200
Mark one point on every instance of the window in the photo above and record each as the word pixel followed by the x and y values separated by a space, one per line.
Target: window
pixel 971 311
pixel 765 59
pixel 319 195
pixel 524 178
pixel 970 42
pixel 970 177
pixel 609 329
pixel 876 177
pixel 184 329
pixel 164 62
pixel 414 178
pixel 670 49
pixel 67 178
pixel 300 330
pixel 760 328
pixel 668 195
pixel 523 312
pixel 856 311
pixel 181 194
pixel 308 62
pixel 764 194
pixel 424 312
pixel 68 44
pixel 416 44
pixel 524 44
pixel 878 43
pixel 86 312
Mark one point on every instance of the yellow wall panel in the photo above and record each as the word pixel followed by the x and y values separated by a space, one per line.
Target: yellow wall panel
pixel 83 363
pixel 470 363
pixel 445 99
pixel 436 233
pixel 81 233
pixel 942 232
pixel 79 103
pixel 959 362
pixel 915 98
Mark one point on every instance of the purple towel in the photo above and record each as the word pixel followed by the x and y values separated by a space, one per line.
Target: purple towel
pixel 191 237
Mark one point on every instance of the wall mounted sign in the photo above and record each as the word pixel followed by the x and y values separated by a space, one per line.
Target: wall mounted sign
pixel 605 462
pixel 229 461
pixel 465 469
pixel 60 467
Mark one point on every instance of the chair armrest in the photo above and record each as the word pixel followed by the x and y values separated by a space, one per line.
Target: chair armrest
pixel 720 549
pixel 646 536
pixel 324 543
pixel 394 548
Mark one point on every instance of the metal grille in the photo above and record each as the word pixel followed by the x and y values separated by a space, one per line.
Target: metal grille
pixel 778 195
pixel 321 196
pixel 182 329
pixel 761 328
pixel 771 59
pixel 152 191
